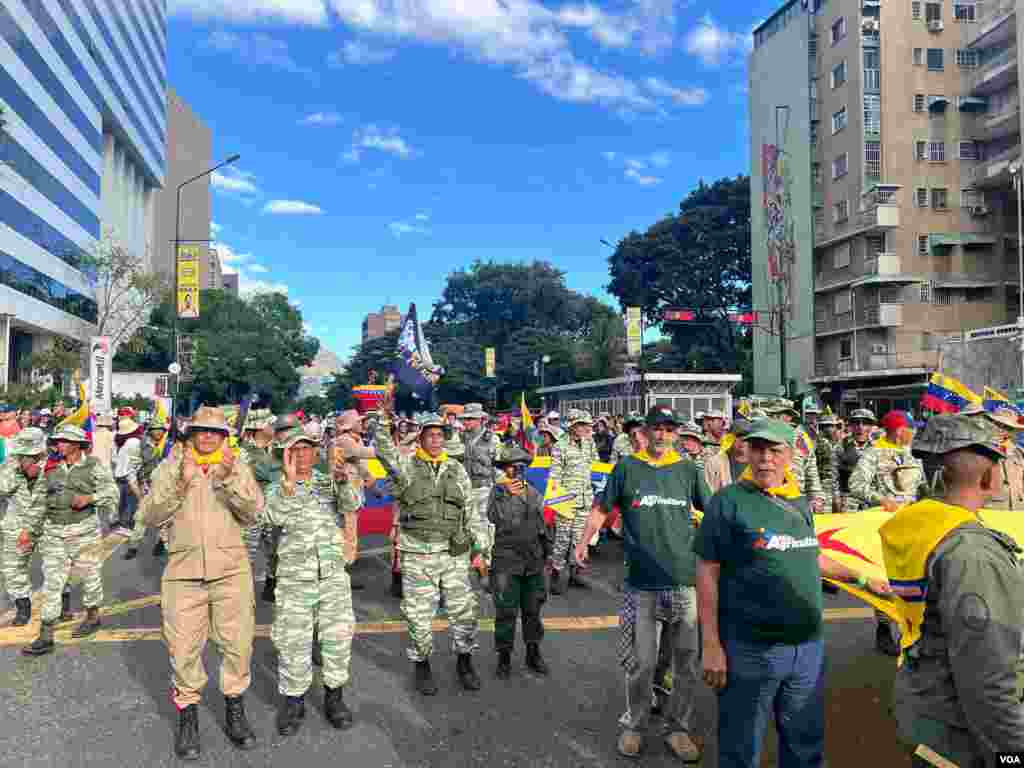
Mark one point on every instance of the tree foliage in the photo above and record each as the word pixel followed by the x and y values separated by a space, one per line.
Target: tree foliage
pixel 698 259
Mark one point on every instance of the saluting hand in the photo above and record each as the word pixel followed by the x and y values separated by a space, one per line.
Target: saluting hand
pixel 290 471
pixel 227 464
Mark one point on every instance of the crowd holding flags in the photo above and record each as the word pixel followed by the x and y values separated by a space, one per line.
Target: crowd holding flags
pixel 948 395
pixel 415 367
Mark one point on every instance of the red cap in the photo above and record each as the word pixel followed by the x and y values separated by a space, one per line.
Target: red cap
pixel 894 420
pixel 126 411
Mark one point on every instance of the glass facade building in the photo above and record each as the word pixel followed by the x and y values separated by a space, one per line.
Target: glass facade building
pixel 82 153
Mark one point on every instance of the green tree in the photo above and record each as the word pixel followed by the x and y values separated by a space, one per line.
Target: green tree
pixel 698 259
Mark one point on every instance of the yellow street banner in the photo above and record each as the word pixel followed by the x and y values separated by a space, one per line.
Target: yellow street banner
pixel 188 282
pixel 489 363
pixel 634 325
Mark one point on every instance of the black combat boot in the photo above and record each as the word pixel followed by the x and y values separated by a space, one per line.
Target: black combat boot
pixel 425 683
pixel 239 730
pixel 65 607
pixel 534 660
pixel 335 710
pixel 396 585
pixel 159 550
pixel 556 583
pixel 504 670
pixel 318 657
pixel 24 614
pixel 186 740
pixel 291 714
pixel 89 624
pixel 42 644
pixel 269 587
pixel 574 578
pixel 884 641
pixel 467 675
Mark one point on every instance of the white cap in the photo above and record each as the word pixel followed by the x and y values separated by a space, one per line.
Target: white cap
pixel 554 415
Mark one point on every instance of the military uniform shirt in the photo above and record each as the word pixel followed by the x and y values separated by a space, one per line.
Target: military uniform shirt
pixel 26 507
pixel 570 466
pixel 876 476
pixel 312 544
pixel 105 493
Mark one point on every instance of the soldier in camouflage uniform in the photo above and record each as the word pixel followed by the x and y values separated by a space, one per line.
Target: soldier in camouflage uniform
pixel 439 536
pixel 314 594
pixel 888 475
pixel 713 429
pixel 571 462
pixel 691 443
pixel 257 443
pixel 481 446
pixel 25 492
pixel 154 446
pixel 76 490
pixel 269 535
pixel 824 451
pixel 845 457
pixel 804 464
pixel 632 431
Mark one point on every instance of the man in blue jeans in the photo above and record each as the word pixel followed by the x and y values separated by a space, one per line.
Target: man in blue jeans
pixel 759 576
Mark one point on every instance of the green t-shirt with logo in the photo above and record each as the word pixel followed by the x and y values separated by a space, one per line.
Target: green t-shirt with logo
pixel 656 504
pixel 770 584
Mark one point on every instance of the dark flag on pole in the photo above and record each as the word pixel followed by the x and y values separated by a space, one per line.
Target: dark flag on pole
pixel 414 367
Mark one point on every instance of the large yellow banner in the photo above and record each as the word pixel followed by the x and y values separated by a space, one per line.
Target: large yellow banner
pixel 188 282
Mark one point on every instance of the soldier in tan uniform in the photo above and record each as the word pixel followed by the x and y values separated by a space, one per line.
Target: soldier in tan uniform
pixel 207 587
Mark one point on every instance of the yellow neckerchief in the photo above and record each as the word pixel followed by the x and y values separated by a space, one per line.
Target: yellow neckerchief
pixel 667 459
pixel 209 459
pixel 159 448
pixel 422 454
pixel 908 540
pixel 789 489
pixel 884 444
pixel 727 442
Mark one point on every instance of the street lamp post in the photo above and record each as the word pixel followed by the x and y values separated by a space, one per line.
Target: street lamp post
pixel 1018 185
pixel 174 299
pixel 543 398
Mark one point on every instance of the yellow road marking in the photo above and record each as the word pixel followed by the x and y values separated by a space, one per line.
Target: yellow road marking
pixel 23 635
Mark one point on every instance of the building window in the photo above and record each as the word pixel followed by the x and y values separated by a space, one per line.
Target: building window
pixel 920 150
pixel 939 199
pixel 926 293
pixel 971 198
pixel 841 303
pixel 964 11
pixel 918 57
pixel 937 151
pixel 873 159
pixel 872 113
pixel 933 11
pixel 969 150
pixel 922 245
pixel 814 133
pixel 915 9
pixel 839 74
pixel 935 62
pixel 840 211
pixel 921 198
pixel 839 166
pixel 968 58
pixel 819 219
pixel 919 102
pixel 838 121
pixel 816 172
pixel 872 70
pixel 845 348
pixel 812 46
pixel 841 255
pixel 838 29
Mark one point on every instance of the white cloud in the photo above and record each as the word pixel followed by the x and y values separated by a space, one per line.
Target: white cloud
pixel 230 259
pixel 215 228
pixel 651 23
pixel 304 12
pixel 232 181
pixel 241 264
pixel 422 217
pixel 259 268
pixel 321 118
pixel 399 228
pixel 359 54
pixel 684 97
pixel 352 155
pixel 292 208
pixel 713 44
pixel 257 49
pixel 644 181
pixel 371 137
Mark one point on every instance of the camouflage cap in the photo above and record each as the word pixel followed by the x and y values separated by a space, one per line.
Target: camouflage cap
pixel 1005 417
pixel 828 421
pixel 578 416
pixel 757 413
pixel 512 454
pixel 946 433
pixel 293 436
pixel 433 420
pixel 286 421
pixel 257 419
pixel 29 442
pixel 70 434
pixel 863 414
pixel 689 429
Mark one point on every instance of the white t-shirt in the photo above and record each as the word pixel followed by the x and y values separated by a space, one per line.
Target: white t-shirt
pixel 128 459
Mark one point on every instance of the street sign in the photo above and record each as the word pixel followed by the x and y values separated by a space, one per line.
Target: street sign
pixel 188 282
pixel 100 374
pixel 634 333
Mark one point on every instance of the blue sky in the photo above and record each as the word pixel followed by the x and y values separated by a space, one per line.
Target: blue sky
pixel 385 143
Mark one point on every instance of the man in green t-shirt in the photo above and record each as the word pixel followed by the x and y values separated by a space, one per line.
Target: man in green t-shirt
pixel 656 491
pixel 759 574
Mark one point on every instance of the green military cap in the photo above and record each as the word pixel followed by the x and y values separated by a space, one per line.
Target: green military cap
pixel 863 414
pixel 660 415
pixel 512 454
pixel 828 421
pixel 757 413
pixel 771 431
pixel 293 436
pixel 257 419
pixel 578 416
pixel 634 419
pixel 428 420
pixel 946 433
pixel 29 442
pixel 741 427
pixel 70 434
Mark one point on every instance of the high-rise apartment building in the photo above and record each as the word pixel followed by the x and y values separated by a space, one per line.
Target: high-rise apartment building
pixel 211 277
pixel 229 281
pixel 897 229
pixel 377 324
pixel 82 103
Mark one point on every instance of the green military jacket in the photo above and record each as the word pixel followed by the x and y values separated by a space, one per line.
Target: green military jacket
pixel 887 471
pixel 570 466
pixel 481 448
pixel 89 477
pixel 312 544
pixel 26 506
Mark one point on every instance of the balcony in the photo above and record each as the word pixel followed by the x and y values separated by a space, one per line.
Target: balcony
pixel 991 25
pixel 880 216
pixel 882 264
pixel 891 363
pixel 997 125
pixel 995 171
pixel 884 315
pixel 995 73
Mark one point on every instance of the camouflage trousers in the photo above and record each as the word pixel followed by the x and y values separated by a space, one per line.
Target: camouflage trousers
pixel 567 534
pixel 17 576
pixel 254 545
pixel 424 578
pixel 480 499
pixel 850 503
pixel 270 538
pixel 301 607
pixel 61 546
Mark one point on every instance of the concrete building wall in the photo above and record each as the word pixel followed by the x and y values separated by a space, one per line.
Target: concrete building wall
pixel 230 282
pixel 189 152
pixel 378 324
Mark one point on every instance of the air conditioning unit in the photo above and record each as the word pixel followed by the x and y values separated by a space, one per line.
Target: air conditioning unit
pixel 879 349
pixel 869 25
pixel 979 210
pixel 935 25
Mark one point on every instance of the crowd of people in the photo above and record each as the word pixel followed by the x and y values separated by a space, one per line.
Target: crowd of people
pixel 723 571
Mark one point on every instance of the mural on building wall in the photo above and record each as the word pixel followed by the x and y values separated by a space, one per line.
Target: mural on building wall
pixel 777 205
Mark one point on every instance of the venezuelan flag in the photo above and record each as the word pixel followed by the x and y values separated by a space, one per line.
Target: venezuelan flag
pixel 996 400
pixel 530 437
pixel 948 395
pixel 82 416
